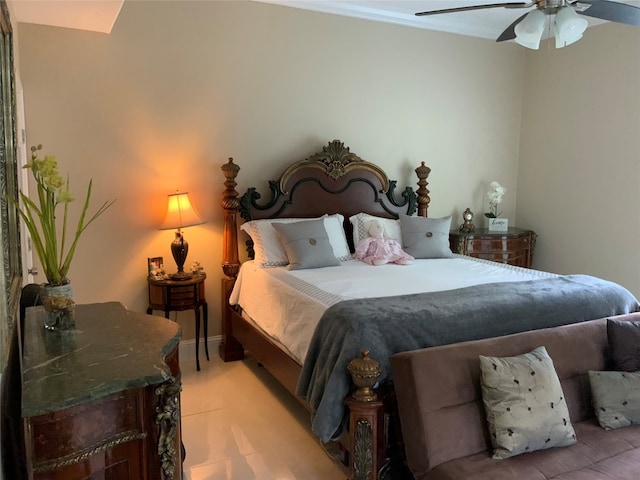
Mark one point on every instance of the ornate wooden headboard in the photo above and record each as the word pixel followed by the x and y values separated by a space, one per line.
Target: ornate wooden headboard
pixel 334 180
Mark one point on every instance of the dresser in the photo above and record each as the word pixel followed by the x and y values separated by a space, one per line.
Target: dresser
pixel 101 401
pixel 515 246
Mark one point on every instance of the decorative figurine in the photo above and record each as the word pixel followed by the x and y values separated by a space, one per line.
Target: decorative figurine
pixel 468 225
pixel 196 268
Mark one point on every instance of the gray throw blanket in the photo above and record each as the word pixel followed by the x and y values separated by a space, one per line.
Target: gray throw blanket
pixel 390 325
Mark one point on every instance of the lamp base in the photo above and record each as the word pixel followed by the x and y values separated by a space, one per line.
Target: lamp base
pixel 179 276
pixel 179 249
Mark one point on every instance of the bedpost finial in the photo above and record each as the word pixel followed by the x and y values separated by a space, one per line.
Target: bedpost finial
pixel 364 372
pixel 423 171
pixel 230 169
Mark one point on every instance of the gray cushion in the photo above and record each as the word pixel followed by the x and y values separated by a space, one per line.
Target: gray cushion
pixel 306 244
pixel 524 403
pixel 616 398
pixel 624 341
pixel 426 237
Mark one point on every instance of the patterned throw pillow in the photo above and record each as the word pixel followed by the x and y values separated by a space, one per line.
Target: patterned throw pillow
pixel 525 405
pixel 616 398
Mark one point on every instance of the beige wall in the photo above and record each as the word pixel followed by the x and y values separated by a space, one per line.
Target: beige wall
pixel 178 87
pixel 580 155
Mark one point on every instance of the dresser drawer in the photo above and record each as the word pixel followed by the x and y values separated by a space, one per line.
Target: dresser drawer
pixel 70 436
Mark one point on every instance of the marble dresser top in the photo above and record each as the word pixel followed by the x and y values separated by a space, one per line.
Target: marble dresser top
pixel 111 349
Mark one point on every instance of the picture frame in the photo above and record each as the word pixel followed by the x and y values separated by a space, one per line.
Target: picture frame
pixel 155 267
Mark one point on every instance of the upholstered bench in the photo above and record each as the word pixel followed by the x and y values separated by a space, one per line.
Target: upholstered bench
pixel 444 421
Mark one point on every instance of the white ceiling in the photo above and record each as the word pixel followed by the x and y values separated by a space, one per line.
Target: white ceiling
pixel 100 15
pixel 94 15
pixel 486 23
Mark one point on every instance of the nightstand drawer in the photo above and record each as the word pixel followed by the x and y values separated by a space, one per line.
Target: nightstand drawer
pixel 518 258
pixel 181 296
pixel 505 243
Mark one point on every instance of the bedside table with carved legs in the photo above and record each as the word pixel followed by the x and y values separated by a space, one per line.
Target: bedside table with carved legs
pixel 172 295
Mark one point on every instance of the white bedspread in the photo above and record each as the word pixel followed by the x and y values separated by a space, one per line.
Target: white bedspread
pixel 287 305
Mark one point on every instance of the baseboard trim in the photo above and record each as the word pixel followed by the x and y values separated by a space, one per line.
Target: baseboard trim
pixel 188 348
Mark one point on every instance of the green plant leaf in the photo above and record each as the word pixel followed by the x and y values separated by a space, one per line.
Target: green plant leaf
pixel 40 218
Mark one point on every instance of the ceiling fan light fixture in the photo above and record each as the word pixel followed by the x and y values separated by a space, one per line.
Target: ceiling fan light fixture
pixel 529 30
pixel 568 27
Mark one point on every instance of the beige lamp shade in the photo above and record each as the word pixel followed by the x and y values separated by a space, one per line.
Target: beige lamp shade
pixel 180 213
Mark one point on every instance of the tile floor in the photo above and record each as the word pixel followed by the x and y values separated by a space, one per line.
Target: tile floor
pixel 238 423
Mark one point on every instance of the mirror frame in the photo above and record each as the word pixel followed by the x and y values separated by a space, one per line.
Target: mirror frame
pixel 11 278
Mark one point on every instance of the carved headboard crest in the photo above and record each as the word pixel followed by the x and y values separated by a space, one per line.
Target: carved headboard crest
pixel 335 160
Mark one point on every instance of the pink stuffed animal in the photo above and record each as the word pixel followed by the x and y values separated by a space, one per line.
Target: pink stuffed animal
pixel 378 249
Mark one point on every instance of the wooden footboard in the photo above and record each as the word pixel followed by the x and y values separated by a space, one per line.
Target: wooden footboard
pixel 372 434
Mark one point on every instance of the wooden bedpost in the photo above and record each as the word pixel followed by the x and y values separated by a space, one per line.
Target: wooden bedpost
pixel 230 349
pixel 423 193
pixel 367 431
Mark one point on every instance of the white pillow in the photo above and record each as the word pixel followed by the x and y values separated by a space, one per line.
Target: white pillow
pixel 269 251
pixel 359 221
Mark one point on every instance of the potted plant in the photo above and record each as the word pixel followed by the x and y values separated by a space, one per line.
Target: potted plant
pixel 53 245
pixel 495 198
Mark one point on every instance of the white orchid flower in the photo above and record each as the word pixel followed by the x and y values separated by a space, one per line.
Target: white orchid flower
pixel 495 198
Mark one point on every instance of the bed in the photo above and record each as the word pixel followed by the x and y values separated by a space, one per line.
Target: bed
pixel 346 307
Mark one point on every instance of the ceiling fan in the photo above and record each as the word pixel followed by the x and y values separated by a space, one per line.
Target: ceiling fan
pixel 568 26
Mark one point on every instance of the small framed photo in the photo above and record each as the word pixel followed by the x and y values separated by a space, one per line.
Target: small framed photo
pixel 156 267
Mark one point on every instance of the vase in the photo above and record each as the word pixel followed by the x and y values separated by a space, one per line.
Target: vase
pixel 498 224
pixel 59 307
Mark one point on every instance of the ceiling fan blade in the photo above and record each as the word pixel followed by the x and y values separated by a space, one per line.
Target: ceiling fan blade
pixel 476 7
pixel 510 31
pixel 611 11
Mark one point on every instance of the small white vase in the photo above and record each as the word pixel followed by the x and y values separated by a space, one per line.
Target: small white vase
pixel 498 224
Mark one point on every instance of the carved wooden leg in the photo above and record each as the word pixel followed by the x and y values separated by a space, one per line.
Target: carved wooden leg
pixel 367 439
pixel 230 349
pixel 197 315
pixel 205 323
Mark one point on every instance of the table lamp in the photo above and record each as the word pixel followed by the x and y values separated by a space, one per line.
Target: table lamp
pixel 180 214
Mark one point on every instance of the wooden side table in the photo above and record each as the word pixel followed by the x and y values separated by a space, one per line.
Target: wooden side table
pixel 514 247
pixel 172 295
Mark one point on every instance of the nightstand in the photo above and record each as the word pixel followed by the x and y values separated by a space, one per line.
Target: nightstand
pixel 515 246
pixel 172 295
